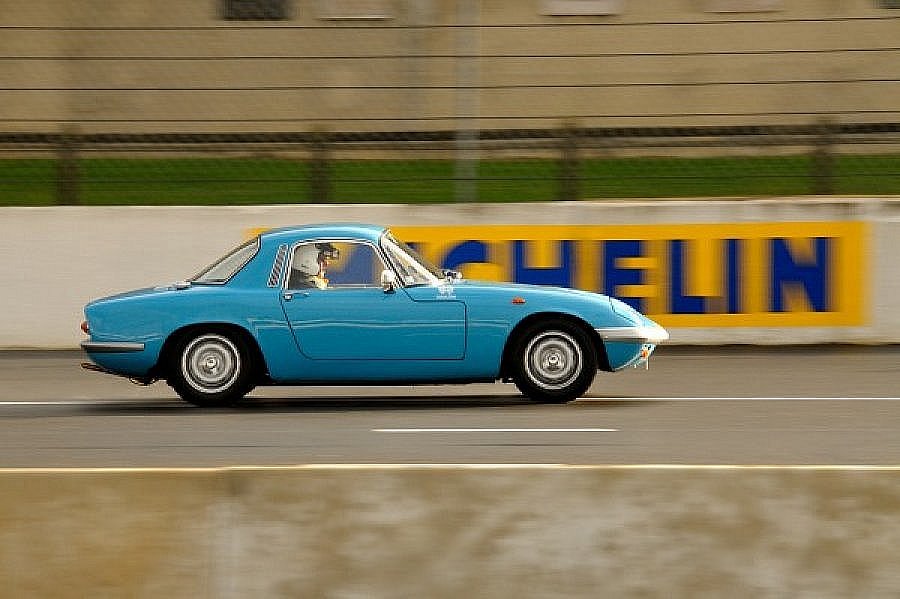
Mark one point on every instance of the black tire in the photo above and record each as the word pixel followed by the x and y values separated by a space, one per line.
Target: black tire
pixel 210 368
pixel 554 362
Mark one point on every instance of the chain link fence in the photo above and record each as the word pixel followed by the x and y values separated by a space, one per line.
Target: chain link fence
pixel 170 102
pixel 565 163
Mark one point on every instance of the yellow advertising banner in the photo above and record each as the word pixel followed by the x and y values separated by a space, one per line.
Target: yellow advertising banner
pixel 681 275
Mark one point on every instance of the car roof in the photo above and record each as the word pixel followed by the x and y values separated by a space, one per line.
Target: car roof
pixel 331 230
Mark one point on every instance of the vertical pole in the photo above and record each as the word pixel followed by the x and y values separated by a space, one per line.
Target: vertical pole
pixel 468 45
pixel 823 162
pixel 420 14
pixel 568 164
pixel 67 168
pixel 320 171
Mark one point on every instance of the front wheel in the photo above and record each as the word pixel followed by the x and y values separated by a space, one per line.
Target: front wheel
pixel 211 369
pixel 554 362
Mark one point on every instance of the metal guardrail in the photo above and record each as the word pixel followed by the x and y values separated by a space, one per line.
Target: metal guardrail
pixel 564 163
pixel 803 130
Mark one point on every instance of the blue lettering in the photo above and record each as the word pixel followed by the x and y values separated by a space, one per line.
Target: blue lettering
pixel 614 276
pixel 561 276
pixel 466 253
pixel 813 277
pixel 732 279
pixel 681 303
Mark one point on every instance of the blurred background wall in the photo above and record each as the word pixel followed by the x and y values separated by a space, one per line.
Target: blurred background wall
pixel 383 101
pixel 399 65
pixel 401 103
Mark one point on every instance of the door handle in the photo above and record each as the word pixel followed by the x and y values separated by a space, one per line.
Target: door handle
pixel 289 295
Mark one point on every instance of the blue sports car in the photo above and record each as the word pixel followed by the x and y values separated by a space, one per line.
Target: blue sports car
pixel 351 304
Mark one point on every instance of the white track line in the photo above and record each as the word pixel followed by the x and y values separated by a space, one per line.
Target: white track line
pixel 495 430
pixel 74 402
pixel 463 466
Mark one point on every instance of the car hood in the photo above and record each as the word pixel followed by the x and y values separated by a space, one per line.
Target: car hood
pixel 537 296
pixel 526 288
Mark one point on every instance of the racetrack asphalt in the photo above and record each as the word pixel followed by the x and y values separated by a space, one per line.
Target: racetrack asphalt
pixel 833 405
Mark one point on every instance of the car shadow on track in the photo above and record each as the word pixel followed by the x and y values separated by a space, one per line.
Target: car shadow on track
pixel 316 404
pixel 399 402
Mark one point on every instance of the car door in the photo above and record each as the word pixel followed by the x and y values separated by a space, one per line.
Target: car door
pixel 352 318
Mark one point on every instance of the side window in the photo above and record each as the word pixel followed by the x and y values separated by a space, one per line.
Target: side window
pixel 335 265
pixel 358 265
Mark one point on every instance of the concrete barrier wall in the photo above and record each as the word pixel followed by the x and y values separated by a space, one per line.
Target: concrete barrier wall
pixel 444 531
pixel 57 259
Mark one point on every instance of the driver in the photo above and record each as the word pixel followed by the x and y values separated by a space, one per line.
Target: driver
pixel 309 266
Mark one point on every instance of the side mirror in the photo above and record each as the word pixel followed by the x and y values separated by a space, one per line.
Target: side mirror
pixel 388 281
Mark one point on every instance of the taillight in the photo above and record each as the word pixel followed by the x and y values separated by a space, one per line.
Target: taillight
pixel 86 328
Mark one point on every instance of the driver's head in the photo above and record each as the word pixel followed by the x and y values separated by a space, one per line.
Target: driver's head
pixel 312 259
pixel 306 260
pixel 327 252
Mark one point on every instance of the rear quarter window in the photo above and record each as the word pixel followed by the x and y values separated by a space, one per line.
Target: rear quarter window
pixel 228 265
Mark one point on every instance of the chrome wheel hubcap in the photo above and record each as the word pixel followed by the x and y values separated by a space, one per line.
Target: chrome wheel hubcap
pixel 210 363
pixel 553 360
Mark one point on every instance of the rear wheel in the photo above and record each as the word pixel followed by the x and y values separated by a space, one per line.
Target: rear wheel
pixel 211 369
pixel 554 362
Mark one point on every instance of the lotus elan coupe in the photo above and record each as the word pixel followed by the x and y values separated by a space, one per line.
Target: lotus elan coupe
pixel 344 304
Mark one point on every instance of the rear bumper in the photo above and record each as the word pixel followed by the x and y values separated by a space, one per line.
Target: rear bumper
pixel 111 347
pixel 134 359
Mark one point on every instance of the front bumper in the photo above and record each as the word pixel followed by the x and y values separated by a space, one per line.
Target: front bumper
pixel 651 335
pixel 631 345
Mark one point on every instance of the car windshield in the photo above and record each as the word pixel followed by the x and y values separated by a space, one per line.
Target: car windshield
pixel 226 267
pixel 412 268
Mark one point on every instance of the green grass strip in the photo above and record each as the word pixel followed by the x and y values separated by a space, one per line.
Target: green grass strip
pixel 251 181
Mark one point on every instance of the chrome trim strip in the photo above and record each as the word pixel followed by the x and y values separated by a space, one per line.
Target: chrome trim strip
pixel 634 334
pixel 111 347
